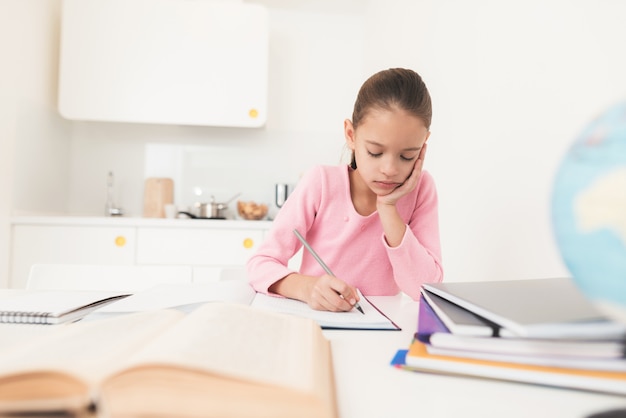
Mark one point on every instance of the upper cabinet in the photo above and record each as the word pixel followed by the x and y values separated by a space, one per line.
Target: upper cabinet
pixel 185 62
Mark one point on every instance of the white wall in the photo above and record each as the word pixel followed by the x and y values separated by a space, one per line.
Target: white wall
pixel 7 135
pixel 512 84
pixel 42 141
pixel 34 140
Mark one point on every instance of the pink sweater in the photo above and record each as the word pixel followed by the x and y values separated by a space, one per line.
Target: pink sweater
pixel 352 245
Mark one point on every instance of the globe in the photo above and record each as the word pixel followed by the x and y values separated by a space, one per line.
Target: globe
pixel 589 211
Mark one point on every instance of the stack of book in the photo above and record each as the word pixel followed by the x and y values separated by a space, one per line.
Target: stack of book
pixel 541 331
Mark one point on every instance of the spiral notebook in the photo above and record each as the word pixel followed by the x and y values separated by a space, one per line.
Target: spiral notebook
pixel 53 306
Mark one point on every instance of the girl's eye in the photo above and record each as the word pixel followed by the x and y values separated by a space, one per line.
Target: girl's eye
pixel 371 154
pixel 407 158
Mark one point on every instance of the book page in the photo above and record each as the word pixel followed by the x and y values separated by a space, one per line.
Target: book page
pixel 175 295
pixel 172 295
pixel 372 318
pixel 17 336
pixel 241 342
pixel 88 350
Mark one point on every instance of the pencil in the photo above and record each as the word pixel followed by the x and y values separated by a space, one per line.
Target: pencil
pixel 321 262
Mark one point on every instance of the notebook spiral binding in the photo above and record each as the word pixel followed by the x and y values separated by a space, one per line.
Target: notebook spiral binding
pixel 10 317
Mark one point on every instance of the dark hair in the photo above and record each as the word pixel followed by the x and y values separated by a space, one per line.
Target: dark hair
pixel 393 88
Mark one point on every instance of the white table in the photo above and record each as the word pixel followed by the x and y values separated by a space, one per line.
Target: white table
pixel 368 387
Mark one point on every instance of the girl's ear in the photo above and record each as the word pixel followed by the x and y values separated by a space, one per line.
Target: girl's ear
pixel 348 132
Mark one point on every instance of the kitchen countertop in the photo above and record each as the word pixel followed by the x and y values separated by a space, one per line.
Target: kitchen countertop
pixel 64 220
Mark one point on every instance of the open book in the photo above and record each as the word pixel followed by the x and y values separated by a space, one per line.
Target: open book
pixel 219 360
pixel 237 291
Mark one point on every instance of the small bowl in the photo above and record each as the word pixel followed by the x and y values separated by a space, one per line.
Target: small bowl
pixel 252 210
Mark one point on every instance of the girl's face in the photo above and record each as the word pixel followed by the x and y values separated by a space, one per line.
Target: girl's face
pixel 386 146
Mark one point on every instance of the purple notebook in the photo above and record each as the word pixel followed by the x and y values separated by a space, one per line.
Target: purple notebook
pixel 427 322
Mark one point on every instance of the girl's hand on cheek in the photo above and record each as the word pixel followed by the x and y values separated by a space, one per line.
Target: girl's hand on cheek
pixel 409 184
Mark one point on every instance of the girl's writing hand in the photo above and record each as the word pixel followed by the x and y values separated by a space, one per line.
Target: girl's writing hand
pixel 329 293
pixel 409 184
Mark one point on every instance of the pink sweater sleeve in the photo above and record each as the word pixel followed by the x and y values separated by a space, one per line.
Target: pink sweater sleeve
pixel 270 262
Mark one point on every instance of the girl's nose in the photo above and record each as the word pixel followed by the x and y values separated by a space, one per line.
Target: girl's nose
pixel 388 167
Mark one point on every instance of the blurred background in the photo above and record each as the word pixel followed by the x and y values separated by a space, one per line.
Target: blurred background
pixel 513 83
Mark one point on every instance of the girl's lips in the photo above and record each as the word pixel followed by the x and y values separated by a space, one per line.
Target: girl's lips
pixel 386 185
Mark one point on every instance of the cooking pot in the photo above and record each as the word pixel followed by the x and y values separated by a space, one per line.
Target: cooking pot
pixel 210 210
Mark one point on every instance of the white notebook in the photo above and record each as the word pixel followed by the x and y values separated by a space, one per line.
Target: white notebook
pixel 53 306
pixel 371 319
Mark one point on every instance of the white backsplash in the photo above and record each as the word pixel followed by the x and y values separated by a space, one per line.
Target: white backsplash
pixel 202 172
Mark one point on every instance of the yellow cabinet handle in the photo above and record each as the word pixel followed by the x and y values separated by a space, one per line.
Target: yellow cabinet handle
pixel 120 241
pixel 248 243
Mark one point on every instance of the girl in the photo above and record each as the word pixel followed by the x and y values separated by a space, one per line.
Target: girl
pixel 374 222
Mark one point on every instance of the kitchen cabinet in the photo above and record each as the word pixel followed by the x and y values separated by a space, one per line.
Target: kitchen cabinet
pixel 66 244
pixel 164 61
pixel 208 246
pixel 208 250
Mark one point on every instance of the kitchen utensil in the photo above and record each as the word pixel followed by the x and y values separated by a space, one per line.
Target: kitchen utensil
pixel 110 208
pixel 211 210
pixel 194 216
pixel 281 193
pixel 158 193
pixel 231 199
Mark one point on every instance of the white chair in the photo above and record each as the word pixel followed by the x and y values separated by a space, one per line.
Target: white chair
pixel 105 277
pixel 233 274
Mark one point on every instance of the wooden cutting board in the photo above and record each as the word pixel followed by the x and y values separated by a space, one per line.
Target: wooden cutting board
pixel 158 192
